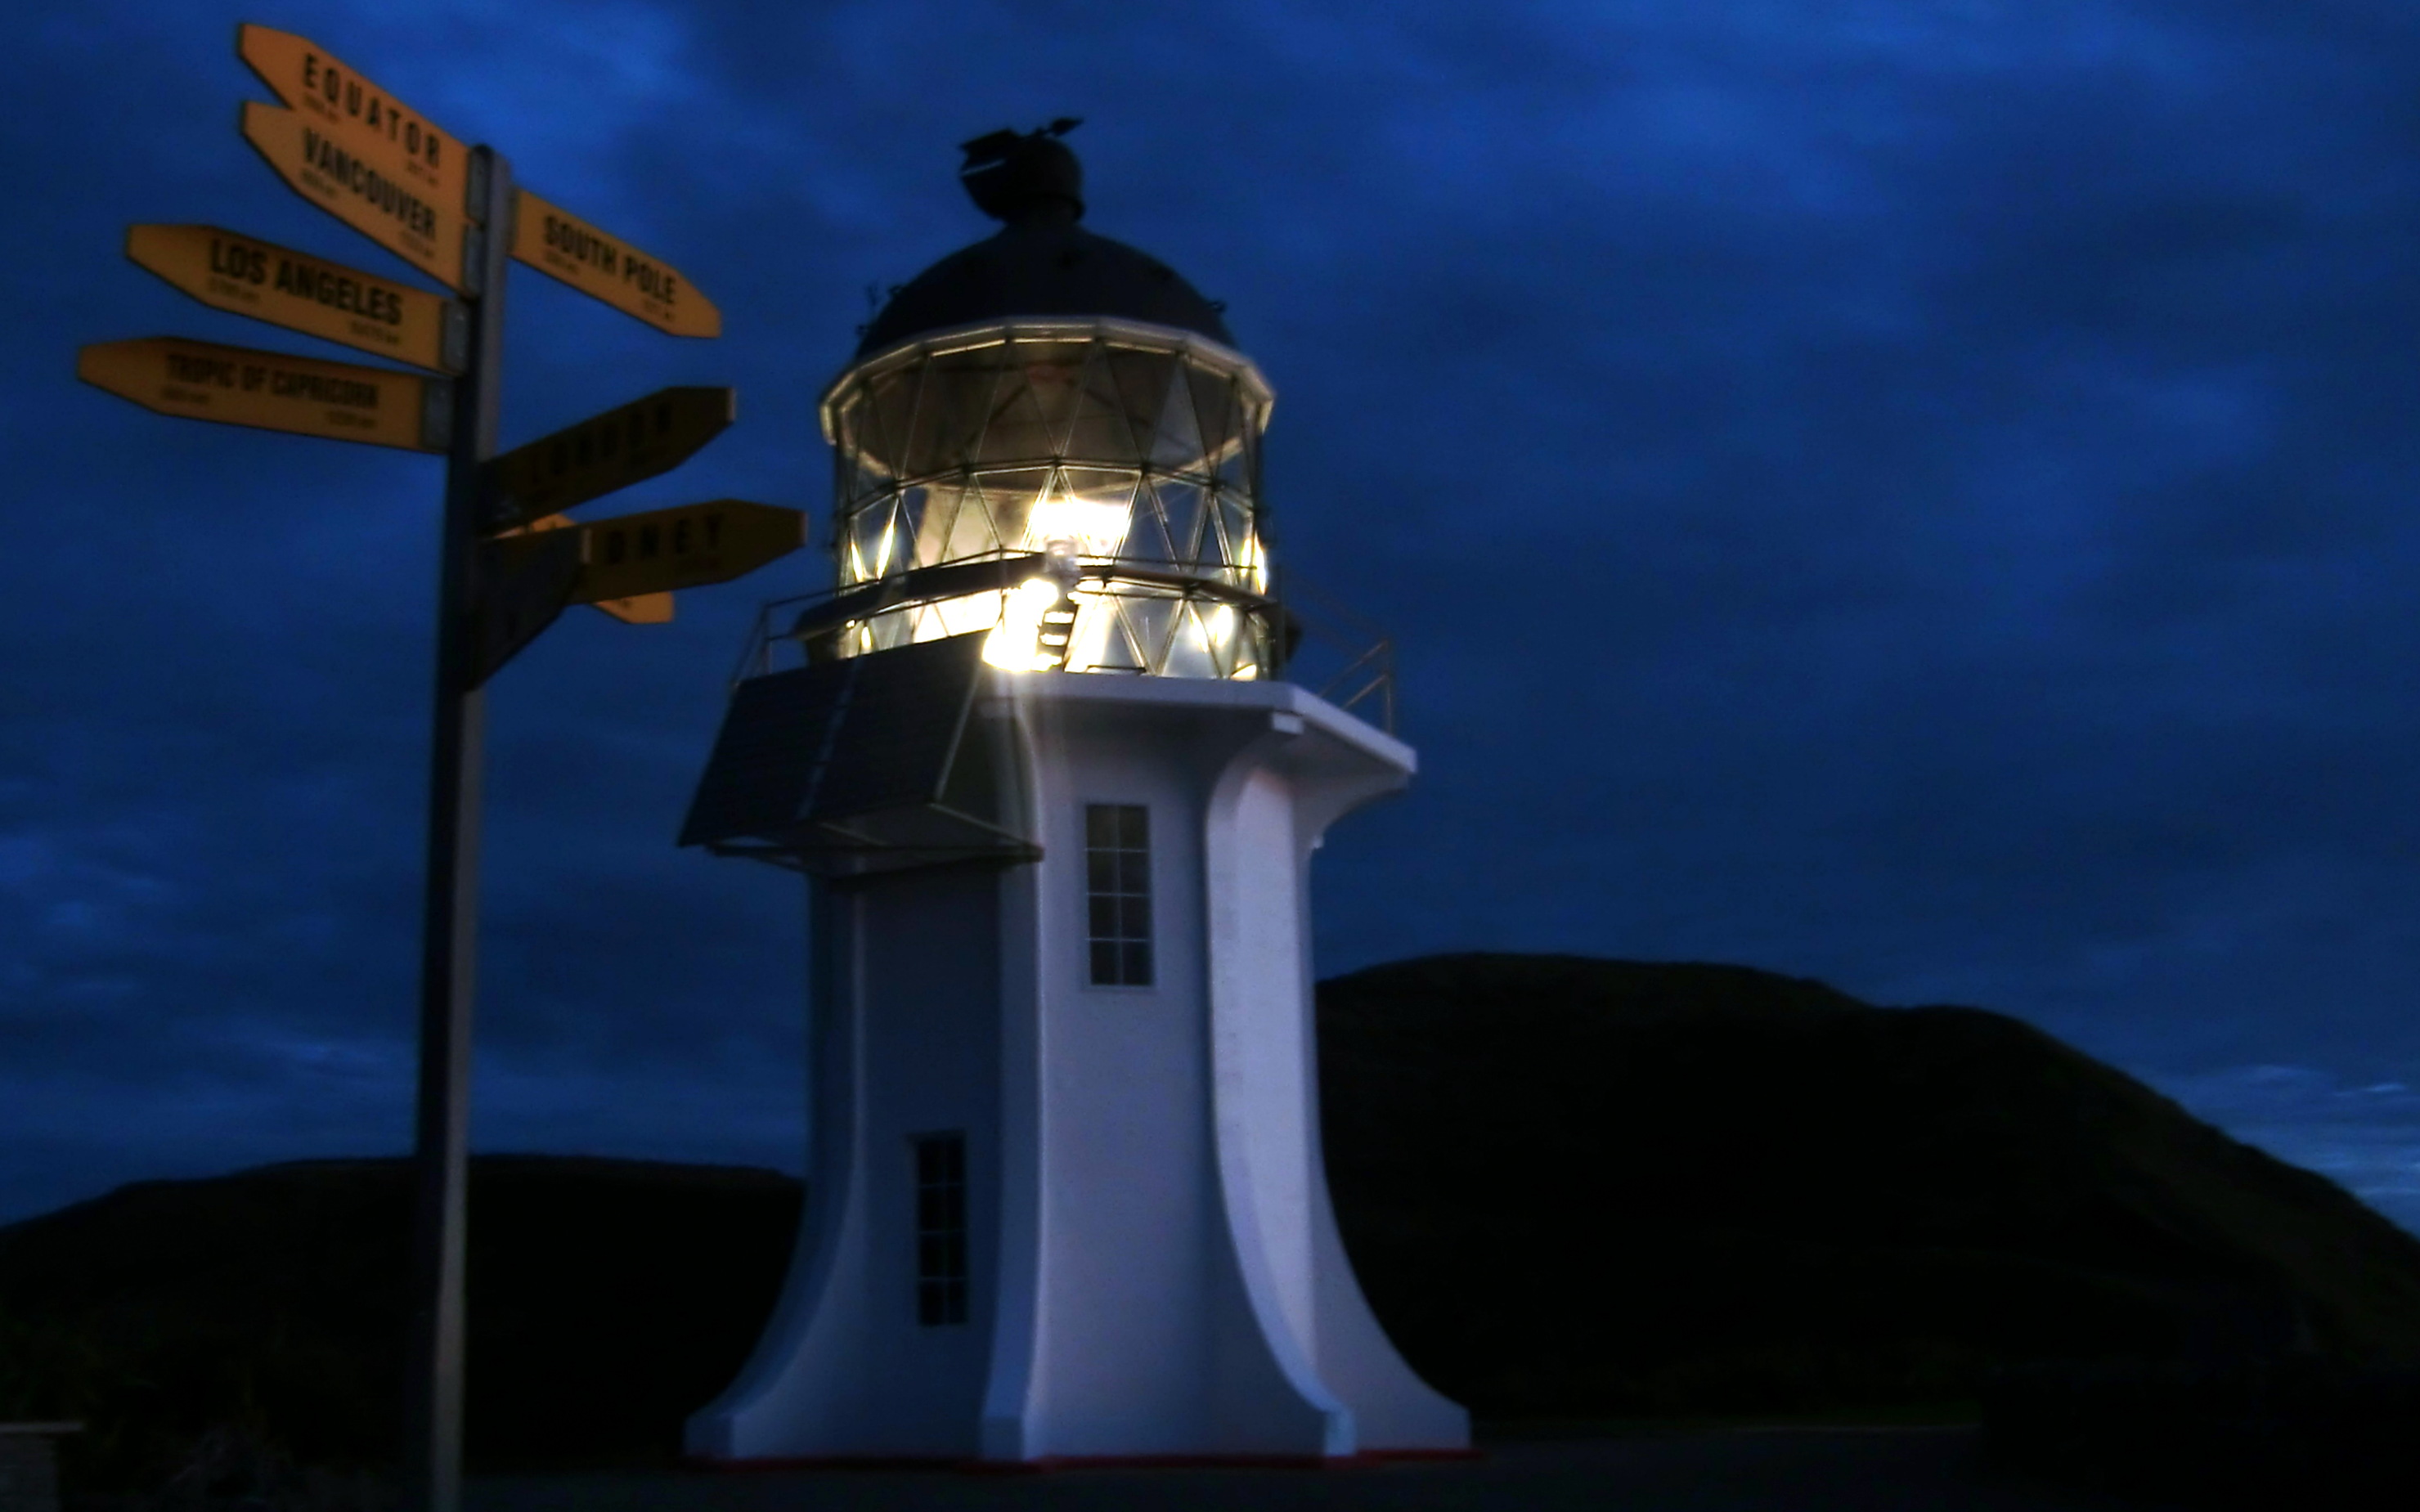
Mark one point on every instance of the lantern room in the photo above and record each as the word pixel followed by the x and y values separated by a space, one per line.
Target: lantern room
pixel 1084 487
pixel 1125 458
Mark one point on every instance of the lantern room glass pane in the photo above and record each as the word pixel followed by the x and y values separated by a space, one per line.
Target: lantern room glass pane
pixel 1137 447
pixel 1180 503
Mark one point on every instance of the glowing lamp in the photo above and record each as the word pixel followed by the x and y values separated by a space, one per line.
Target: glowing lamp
pixel 1133 447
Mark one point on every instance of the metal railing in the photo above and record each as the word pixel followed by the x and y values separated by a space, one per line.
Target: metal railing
pixel 1335 653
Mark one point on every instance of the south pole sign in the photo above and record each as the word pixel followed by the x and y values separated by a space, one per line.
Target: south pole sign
pixel 509 563
pixel 561 245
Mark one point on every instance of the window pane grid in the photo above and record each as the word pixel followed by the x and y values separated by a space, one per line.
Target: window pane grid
pixel 941 1229
pixel 1117 888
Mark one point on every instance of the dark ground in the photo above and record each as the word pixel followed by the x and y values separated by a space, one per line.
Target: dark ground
pixel 1891 1470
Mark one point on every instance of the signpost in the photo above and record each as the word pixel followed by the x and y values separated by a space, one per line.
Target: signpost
pixel 449 934
pixel 663 549
pixel 393 212
pixel 645 608
pixel 245 275
pixel 603 452
pixel 448 209
pixel 561 245
pixel 524 583
pixel 272 390
pixel 361 118
pixel 628 565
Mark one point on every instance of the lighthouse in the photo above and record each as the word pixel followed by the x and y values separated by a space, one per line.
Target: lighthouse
pixel 1037 755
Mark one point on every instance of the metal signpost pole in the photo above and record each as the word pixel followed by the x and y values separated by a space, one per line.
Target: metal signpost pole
pixel 449 955
pixel 510 560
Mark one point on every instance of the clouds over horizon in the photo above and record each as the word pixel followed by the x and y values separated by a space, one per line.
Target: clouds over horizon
pixel 2365 1137
pixel 1911 495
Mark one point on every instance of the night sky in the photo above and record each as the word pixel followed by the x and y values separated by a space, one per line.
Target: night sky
pixel 1916 494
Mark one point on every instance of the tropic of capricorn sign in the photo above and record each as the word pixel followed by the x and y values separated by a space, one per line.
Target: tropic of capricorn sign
pixel 302 396
pixel 510 562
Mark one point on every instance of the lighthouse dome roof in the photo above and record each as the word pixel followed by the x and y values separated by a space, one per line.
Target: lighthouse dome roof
pixel 1042 262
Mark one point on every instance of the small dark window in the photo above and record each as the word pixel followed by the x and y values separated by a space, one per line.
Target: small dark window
pixel 1117 893
pixel 941 1229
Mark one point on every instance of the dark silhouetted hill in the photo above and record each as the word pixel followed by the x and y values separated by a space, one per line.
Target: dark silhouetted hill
pixel 1572 1188
pixel 608 1300
pixel 1583 1187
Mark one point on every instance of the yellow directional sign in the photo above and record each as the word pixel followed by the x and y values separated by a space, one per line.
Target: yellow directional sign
pixel 559 244
pixel 363 119
pixel 241 386
pixel 606 452
pixel 646 609
pixel 394 212
pixel 522 586
pixel 662 549
pixel 301 292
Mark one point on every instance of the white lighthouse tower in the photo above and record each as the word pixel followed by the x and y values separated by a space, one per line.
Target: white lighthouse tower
pixel 1057 802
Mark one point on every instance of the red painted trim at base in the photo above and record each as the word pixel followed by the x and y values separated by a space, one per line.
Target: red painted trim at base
pixel 1367 1458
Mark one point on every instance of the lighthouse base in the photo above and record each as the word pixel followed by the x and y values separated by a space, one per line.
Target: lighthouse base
pixel 1067 1203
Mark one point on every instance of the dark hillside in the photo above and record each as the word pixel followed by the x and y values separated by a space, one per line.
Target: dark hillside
pixel 607 1299
pixel 1578 1186
pixel 1572 1188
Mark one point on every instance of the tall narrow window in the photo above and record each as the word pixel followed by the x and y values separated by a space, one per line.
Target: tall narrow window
pixel 941 1229
pixel 1117 893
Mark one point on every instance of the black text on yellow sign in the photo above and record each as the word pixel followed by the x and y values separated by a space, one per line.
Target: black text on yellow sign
pixel 663 549
pixel 561 245
pixel 272 390
pixel 363 118
pixel 394 214
pixel 614 450
pixel 248 276
pixel 643 609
